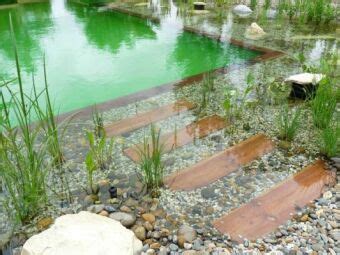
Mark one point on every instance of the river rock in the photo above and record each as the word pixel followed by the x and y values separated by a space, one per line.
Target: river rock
pixel 242 10
pixel 254 32
pixel 187 233
pixel 126 219
pixel 83 234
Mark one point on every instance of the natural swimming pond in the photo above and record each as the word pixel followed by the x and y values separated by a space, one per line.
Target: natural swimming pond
pixel 93 56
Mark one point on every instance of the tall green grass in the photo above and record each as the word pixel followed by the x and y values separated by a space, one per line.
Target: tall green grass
pixel 151 163
pixel 288 122
pixel 330 139
pixel 25 147
pixel 324 104
pixel 22 161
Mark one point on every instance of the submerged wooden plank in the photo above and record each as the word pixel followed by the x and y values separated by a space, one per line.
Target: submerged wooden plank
pixel 144 119
pixel 220 164
pixel 183 136
pixel 265 213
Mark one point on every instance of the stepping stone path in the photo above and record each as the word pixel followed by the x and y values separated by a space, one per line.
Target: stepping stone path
pixel 144 119
pixel 265 213
pixel 255 218
pixel 183 136
pixel 220 164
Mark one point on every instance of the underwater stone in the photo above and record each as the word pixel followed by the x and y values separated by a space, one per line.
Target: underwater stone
pixel 242 10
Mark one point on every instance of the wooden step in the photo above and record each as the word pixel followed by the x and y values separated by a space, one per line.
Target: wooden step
pixel 144 119
pixel 183 136
pixel 264 214
pixel 220 164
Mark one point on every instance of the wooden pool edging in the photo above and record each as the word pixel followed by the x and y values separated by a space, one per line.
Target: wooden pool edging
pixel 267 54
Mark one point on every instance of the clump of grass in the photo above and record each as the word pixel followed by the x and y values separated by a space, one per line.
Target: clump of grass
pixel 208 86
pixel 48 123
pixel 288 123
pixel 151 164
pixel 98 122
pixel 235 101
pixel 329 145
pixel 23 168
pixel 324 103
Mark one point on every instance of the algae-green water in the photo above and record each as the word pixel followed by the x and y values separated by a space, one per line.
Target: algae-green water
pixel 93 56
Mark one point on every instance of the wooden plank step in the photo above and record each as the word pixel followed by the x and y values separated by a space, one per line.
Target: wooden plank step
pixel 220 164
pixel 183 136
pixel 264 214
pixel 144 119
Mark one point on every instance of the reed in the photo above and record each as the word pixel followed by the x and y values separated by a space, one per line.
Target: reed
pixel 151 163
pixel 288 123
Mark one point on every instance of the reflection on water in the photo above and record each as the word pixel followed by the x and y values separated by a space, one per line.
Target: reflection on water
pixel 95 56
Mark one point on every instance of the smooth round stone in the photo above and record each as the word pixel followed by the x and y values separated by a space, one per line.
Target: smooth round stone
pixel 126 219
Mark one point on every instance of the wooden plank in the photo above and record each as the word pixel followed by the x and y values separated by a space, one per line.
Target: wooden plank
pixel 221 164
pixel 144 119
pixel 183 136
pixel 264 214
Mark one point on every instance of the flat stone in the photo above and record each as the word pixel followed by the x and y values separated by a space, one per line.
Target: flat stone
pixel 304 78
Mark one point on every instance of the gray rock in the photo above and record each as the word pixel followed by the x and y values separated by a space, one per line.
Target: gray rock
pixel 126 219
pixel 208 193
pixel 173 247
pixel 95 208
pixel 188 232
pixel 317 247
pixel 242 10
pixel 335 234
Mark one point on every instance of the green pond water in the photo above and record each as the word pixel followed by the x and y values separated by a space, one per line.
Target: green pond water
pixel 93 56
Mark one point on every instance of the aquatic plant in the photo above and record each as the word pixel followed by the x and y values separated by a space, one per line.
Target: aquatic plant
pixel 98 122
pixel 324 103
pixel 288 122
pixel 253 4
pixel 208 86
pixel 329 144
pixel 235 101
pixel 151 164
pixel 22 164
pixel 48 123
pixel 100 150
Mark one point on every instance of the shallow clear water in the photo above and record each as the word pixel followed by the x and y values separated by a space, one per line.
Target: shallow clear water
pixel 94 56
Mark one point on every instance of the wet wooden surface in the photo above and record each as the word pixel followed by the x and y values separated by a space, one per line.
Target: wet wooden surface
pixel 220 164
pixel 144 119
pixel 264 214
pixel 183 136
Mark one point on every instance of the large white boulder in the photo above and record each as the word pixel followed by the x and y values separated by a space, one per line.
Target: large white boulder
pixel 254 32
pixel 305 78
pixel 242 10
pixel 83 234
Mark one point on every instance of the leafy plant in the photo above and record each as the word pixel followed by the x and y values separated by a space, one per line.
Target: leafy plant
pixel 253 4
pixel 288 123
pixel 100 151
pixel 151 164
pixel 324 104
pixel 329 145
pixel 236 101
